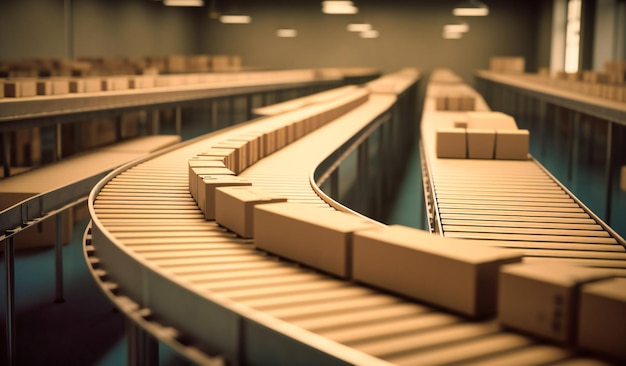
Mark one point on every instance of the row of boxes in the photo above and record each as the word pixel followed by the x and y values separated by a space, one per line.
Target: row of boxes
pixel 572 305
pixel 225 159
pixel 398 259
pixel 455 103
pixel 30 87
pixel 569 304
pixel 483 135
pixel 109 66
pixel 475 143
pixel 508 64
pixel 605 91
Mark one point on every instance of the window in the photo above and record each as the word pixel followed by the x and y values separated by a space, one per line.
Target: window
pixel 572 35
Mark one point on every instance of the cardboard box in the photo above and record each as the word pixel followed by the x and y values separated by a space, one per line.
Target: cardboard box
pixel 234 207
pixel 454 103
pixel 451 273
pixel 200 163
pixel 197 174
pixel 451 143
pixel 541 298
pixel 468 103
pixel 441 103
pixel 240 153
pixel 512 144
pixel 491 120
pixel 206 191
pixel 623 178
pixel 20 88
pixel 602 317
pixel 481 143
pixel 314 236
pixel 226 155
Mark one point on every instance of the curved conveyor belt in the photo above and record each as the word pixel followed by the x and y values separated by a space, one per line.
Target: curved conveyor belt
pixel 214 297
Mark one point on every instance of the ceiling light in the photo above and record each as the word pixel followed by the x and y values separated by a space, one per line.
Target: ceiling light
pixel 235 19
pixel 183 2
pixel 286 33
pixel 339 7
pixel 471 8
pixel 359 27
pixel 372 33
pixel 452 35
pixel 456 28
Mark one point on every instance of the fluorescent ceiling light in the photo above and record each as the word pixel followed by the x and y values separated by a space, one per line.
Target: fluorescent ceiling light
pixel 337 3
pixel 235 19
pixel 359 27
pixel 471 8
pixel 286 33
pixel 183 2
pixel 372 33
pixel 456 28
pixel 339 7
pixel 452 35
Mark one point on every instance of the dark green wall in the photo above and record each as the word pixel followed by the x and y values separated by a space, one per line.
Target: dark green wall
pixel 410 33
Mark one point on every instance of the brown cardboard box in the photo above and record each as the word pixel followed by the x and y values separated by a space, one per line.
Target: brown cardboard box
pixel 512 144
pixel 468 103
pixel 602 317
pixel 226 155
pixel 208 162
pixel 541 298
pixel 206 191
pixel 234 207
pixel 451 143
pixel 451 273
pixel 491 120
pixel 314 236
pixel 20 88
pixel 197 174
pixel 623 178
pixel 480 143
pixel 240 153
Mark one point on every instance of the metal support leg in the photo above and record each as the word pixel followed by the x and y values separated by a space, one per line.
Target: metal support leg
pixel 119 128
pixel 573 145
pixel 608 172
pixel 143 349
pixel 58 258
pixel 58 147
pixel 179 120
pixel 543 121
pixel 214 107
pixel 155 123
pixel 249 108
pixel 6 154
pixel 9 263
pixel 231 110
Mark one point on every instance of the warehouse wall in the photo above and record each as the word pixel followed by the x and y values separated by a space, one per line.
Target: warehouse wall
pixel 410 33
pixel 36 28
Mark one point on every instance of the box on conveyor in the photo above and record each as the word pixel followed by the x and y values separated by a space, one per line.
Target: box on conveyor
pixel 234 207
pixel 452 273
pixel 201 162
pixel 481 143
pixel 206 191
pixel 512 144
pixel 542 298
pixel 314 236
pixel 451 143
pixel 602 317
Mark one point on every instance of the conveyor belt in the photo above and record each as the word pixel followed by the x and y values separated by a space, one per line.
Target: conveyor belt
pixel 512 203
pixel 226 298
